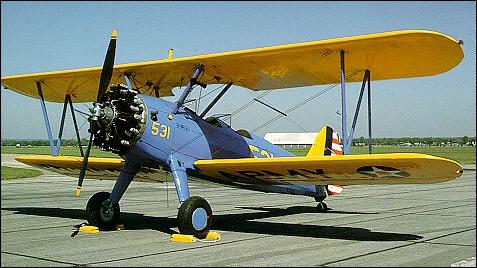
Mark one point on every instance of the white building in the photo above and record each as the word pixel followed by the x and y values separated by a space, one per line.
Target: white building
pixel 291 139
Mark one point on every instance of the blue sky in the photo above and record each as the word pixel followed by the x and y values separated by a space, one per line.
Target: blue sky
pixel 47 36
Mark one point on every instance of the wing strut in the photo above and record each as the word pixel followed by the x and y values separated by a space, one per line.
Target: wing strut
pixel 369 115
pixel 193 81
pixel 215 100
pixel 343 103
pixel 55 149
pixel 347 140
pixel 75 124
pixel 358 105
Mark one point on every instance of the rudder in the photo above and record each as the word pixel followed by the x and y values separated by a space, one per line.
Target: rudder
pixel 327 143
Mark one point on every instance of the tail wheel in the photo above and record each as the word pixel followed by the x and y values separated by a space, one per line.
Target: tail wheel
pixel 195 217
pixel 321 207
pixel 101 212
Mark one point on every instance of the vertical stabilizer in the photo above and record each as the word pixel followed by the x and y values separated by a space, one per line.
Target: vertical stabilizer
pixel 327 143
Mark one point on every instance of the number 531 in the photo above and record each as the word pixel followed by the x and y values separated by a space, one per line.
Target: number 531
pixel 164 131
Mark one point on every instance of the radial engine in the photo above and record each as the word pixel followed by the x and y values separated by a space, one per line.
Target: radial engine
pixel 121 121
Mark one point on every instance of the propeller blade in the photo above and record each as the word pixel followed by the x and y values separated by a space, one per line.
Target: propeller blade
pixel 107 71
pixel 106 74
pixel 85 161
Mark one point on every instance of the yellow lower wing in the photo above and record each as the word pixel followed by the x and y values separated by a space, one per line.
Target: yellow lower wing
pixel 399 168
pixel 98 168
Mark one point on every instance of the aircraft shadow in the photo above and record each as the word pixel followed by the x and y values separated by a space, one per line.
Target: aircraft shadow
pixel 274 212
pixel 131 221
pixel 242 222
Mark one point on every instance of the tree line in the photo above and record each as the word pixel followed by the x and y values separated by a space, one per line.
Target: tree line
pixel 416 141
pixel 361 141
pixel 40 142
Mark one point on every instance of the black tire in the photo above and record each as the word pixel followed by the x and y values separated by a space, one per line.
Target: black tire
pixel 97 212
pixel 198 205
pixel 321 207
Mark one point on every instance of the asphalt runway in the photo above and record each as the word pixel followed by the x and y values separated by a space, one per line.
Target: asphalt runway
pixel 401 225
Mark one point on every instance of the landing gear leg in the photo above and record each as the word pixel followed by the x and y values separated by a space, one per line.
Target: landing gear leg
pixel 195 215
pixel 103 209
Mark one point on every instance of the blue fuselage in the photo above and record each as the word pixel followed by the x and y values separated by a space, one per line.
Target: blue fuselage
pixel 189 137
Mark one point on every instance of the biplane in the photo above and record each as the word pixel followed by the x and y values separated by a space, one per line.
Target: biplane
pixel 130 117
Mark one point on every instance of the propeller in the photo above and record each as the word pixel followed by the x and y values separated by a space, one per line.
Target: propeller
pixel 106 74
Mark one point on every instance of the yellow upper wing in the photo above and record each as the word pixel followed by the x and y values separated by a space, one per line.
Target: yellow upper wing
pixel 390 55
pixel 398 168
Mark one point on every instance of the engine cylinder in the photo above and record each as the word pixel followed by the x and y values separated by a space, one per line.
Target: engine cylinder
pixel 122 120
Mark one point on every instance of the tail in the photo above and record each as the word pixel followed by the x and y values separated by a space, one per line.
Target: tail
pixel 327 143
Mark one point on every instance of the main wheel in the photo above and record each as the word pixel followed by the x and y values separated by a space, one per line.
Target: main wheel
pixel 195 217
pixel 101 212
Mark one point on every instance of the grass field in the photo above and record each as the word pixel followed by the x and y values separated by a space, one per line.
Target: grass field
pixel 463 155
pixel 73 151
pixel 10 173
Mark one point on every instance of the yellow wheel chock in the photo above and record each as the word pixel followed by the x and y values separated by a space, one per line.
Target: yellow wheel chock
pixel 89 229
pixel 211 236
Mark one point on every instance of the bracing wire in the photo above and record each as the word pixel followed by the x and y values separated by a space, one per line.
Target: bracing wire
pixel 240 109
pixel 302 103
pixel 228 145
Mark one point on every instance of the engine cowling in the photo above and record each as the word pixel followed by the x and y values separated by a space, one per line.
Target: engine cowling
pixel 122 119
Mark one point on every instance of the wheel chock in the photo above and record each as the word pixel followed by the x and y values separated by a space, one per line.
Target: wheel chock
pixel 119 227
pixel 89 229
pixel 213 236
pixel 183 238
